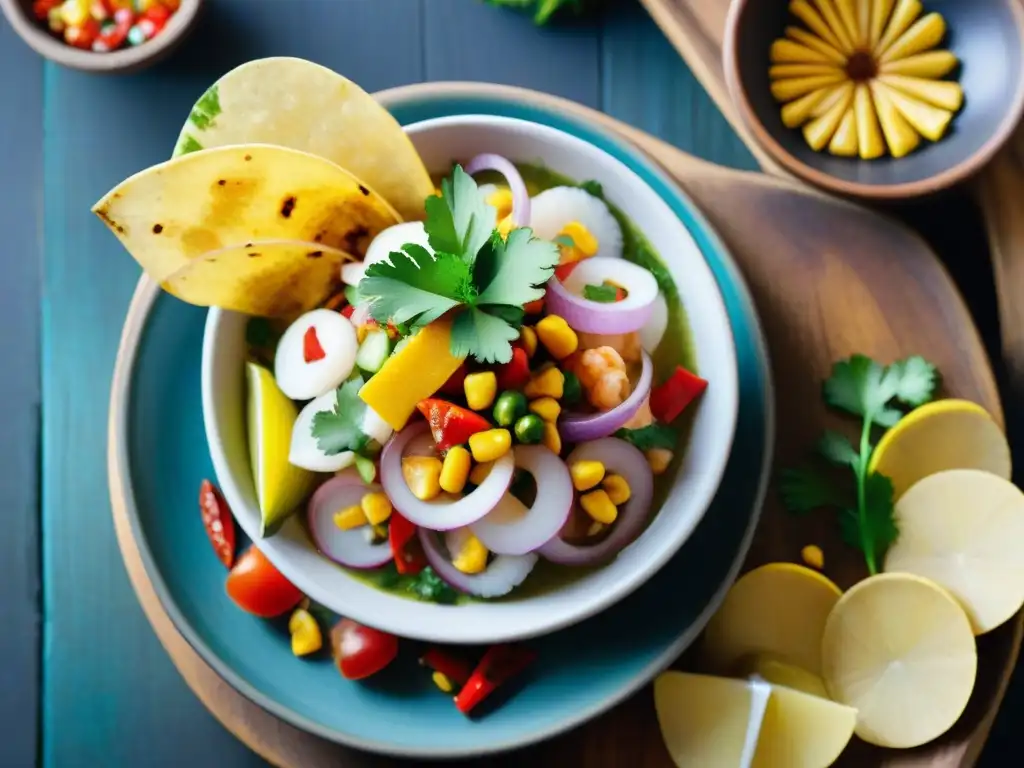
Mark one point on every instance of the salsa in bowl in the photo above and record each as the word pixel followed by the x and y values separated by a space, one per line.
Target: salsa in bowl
pixel 476 500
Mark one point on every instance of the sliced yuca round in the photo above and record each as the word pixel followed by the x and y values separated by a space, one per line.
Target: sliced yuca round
pixel 963 529
pixel 802 731
pixel 710 721
pixel 781 673
pixel 900 649
pixel 778 609
pixel 945 434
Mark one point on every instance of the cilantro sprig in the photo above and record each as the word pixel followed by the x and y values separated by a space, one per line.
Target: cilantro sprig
pixel 875 393
pixel 484 280
pixel 543 9
pixel 652 436
pixel 340 429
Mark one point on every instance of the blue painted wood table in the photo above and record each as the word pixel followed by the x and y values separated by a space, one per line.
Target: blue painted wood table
pixel 83 681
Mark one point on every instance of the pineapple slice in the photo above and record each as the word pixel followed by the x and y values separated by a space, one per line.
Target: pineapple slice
pixel 938 93
pixel 793 88
pixel 903 16
pixel 900 135
pixel 933 65
pixel 931 122
pixel 923 36
pixel 845 143
pixel 819 131
pixel 870 141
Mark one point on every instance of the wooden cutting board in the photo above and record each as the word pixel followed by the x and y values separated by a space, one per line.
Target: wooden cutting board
pixel 825 284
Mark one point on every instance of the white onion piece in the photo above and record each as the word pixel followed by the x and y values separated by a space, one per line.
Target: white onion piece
pixel 441 514
pixel 630 314
pixel 653 330
pixel 352 548
pixel 304 451
pixel 352 272
pixel 619 458
pixel 300 380
pixel 520 197
pixel 502 575
pixel 375 428
pixel 553 208
pixel 577 427
pixel 393 238
pixel 513 529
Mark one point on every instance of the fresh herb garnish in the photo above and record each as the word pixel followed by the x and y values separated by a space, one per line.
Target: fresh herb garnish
pixel 352 295
pixel 544 9
pixel 366 468
pixel 606 294
pixel 593 188
pixel 643 256
pixel 430 587
pixel 486 279
pixel 652 436
pixel 864 388
pixel 340 429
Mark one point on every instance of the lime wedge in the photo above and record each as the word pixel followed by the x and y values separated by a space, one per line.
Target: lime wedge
pixel 280 486
pixel 781 673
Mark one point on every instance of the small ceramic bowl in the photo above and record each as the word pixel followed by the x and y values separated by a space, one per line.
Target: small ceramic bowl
pixel 439 142
pixel 19 15
pixel 986 35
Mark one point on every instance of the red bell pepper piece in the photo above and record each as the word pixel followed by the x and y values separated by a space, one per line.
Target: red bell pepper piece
pixel 347 311
pixel 499 664
pixel 41 8
pixel 311 349
pixel 454 385
pixel 534 307
pixel 218 522
pixel 671 398
pixel 455 668
pixel 405 548
pixel 451 424
pixel 82 36
pixel 516 372
pixel 562 271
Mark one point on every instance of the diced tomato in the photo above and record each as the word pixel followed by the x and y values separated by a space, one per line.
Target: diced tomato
pixel 534 307
pixel 347 311
pixel 562 271
pixel 361 651
pixel 219 524
pixel 451 424
pixel 259 588
pixel 405 546
pixel 41 8
pixel 671 398
pixel 499 665
pixel 516 372
pixel 454 385
pixel 311 349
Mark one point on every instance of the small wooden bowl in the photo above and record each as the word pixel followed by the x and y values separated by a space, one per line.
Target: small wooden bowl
pixel 986 35
pixel 19 14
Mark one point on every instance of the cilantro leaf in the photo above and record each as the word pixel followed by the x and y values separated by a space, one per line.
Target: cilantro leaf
pixel 460 221
pixel 916 380
pixel 862 387
pixel 415 286
pixel 485 336
pixel 514 270
pixel 593 188
pixel 341 429
pixel 837 449
pixel 366 468
pixel 804 490
pixel 876 519
pixel 654 435
pixel 430 587
pixel 606 294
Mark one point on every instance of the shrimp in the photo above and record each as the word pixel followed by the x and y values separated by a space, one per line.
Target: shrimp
pixel 626 344
pixel 602 372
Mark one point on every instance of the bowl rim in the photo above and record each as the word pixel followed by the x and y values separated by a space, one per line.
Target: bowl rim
pixel 935 183
pixel 112 62
pixel 411 623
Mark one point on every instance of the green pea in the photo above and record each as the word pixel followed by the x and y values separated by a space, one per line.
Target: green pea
pixel 530 429
pixel 509 407
pixel 572 391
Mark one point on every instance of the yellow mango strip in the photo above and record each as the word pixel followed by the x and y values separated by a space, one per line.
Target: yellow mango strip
pixel 831 15
pixel 864 23
pixel 779 71
pixel 804 11
pixel 413 373
pixel 933 65
pixel 899 134
pixel 848 14
pixel 834 96
pixel 938 93
pixel 844 142
pixel 820 130
pixel 870 142
pixel 880 10
pixel 807 40
pixel 793 88
pixel 905 14
pixel 924 35
pixel 931 122
pixel 797 112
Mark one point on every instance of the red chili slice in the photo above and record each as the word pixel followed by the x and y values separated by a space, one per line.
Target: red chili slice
pixel 405 546
pixel 219 524
pixel 311 349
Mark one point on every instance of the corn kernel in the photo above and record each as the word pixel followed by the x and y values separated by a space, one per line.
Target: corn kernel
pixel 378 534
pixel 529 338
pixel 547 408
pixel 586 474
pixel 423 476
pixel 555 334
pixel 455 470
pixel 813 556
pixel 350 517
pixel 481 389
pixel 582 240
pixel 595 528
pixel 377 507
pixel 472 558
pixel 505 226
pixel 490 445
pixel 480 473
pixel 659 459
pixel 549 382
pixel 306 635
pixel 617 488
pixel 551 439
pixel 501 201
pixel 599 506
pixel 441 681
pixel 362 332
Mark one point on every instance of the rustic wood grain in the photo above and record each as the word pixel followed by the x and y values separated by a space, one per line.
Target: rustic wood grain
pixel 812 263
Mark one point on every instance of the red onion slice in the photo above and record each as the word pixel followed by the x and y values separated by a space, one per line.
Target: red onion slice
pixel 582 314
pixel 441 514
pixel 513 529
pixel 578 427
pixel 516 185
pixel 352 548
pixel 502 575
pixel 619 458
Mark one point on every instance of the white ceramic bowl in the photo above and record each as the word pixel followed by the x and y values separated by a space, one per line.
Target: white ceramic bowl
pixel 439 142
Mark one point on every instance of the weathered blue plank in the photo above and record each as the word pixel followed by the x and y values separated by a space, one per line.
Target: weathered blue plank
pixel 111 696
pixel 20 203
